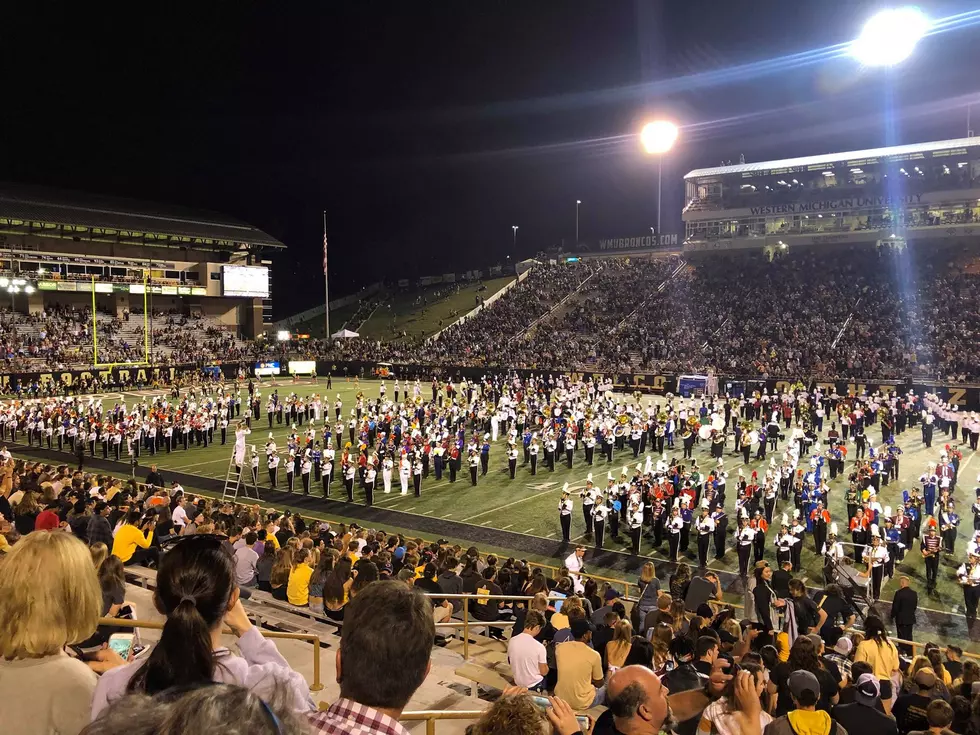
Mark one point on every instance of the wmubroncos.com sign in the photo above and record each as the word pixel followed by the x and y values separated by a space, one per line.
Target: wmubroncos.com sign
pixel 639 243
pixel 843 204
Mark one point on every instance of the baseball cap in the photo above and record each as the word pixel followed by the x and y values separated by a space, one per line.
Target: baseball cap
pixel 843 646
pixel 816 640
pixel 581 626
pixel 611 595
pixel 803 681
pixel 925 677
pixel 867 690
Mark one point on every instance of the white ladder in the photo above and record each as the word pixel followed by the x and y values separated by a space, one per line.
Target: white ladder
pixel 242 481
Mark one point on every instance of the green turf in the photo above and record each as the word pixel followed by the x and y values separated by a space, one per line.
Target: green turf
pixel 527 505
pixel 400 314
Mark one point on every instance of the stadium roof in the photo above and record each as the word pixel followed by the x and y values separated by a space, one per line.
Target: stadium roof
pixel 826 158
pixel 84 211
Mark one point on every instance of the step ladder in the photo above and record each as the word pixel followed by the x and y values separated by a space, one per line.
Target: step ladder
pixel 240 482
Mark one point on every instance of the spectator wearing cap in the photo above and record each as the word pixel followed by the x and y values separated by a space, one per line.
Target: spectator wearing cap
pixel 98 529
pixel 910 709
pixel 804 718
pixel 940 716
pixel 610 598
pixel 839 655
pixel 579 668
pixel 864 714
pixel 702 589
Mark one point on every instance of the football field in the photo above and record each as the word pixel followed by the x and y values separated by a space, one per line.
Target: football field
pixel 520 517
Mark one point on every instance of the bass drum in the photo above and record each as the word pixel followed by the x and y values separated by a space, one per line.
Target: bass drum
pixel 753 437
pixel 704 432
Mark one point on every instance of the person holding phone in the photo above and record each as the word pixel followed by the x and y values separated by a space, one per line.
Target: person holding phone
pixel 132 541
pixel 196 590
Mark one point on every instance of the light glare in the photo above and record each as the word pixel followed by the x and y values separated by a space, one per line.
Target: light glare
pixel 890 36
pixel 658 137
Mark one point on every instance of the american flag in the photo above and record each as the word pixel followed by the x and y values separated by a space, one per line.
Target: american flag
pixel 324 252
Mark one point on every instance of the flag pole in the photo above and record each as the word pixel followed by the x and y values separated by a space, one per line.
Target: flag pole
pixel 326 282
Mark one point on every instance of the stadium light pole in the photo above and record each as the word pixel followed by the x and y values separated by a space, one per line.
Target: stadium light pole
pixel 658 137
pixel 514 228
pixel 577 203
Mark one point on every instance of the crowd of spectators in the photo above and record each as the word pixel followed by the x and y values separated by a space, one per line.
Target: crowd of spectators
pixel 665 662
pixel 837 313
pixel 841 313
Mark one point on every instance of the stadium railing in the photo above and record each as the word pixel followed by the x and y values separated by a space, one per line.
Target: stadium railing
pixel 431 716
pixel 316 686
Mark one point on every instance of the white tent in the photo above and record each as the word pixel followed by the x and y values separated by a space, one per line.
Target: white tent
pixel 344 334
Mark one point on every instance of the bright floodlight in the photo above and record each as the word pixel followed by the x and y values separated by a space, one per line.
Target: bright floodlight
pixel 659 136
pixel 282 335
pixel 890 36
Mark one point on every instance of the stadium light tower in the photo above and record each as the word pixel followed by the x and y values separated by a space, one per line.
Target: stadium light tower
pixel 890 36
pixel 514 228
pixel 658 137
pixel 577 203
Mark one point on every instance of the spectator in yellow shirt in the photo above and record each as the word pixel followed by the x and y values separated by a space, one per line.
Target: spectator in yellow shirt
pixel 298 588
pixel 132 541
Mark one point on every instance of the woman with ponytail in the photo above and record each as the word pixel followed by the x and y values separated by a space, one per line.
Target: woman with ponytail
pixel 196 590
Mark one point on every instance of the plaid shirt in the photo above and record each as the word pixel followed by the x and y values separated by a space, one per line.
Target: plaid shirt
pixel 345 717
pixel 843 663
pixel 99 530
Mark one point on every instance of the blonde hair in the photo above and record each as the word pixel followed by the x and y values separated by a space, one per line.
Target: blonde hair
pixel 49 596
pixel 647 572
pixel 99 553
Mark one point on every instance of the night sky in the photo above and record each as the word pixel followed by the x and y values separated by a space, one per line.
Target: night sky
pixel 427 129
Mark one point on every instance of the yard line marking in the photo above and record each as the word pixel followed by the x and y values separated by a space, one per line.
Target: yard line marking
pixel 508 505
pixel 528 530
pixel 552 535
pixel 448 515
pixel 427 512
pixel 509 525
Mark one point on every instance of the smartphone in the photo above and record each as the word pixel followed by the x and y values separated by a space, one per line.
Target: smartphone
pixel 583 720
pixel 121 643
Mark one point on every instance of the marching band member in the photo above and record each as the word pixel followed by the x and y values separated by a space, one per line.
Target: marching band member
pixel 565 513
pixel 833 553
pixel 784 543
pixel 272 461
pixel 819 520
pixel 635 520
pixel 512 459
pixel 306 466
pixel 931 547
pixel 705 528
pixel 533 453
pixel 744 539
pixel 761 527
pixel 417 477
pixel 798 530
pixel 588 503
pixel 968 575
pixel 386 469
pixel 474 463
pixel 599 512
pixel 350 472
pixel 875 556
pixel 948 521
pixel 720 518
pixel 404 473
pixel 254 462
pixel 893 544
pixel 675 525
pixel 326 473
pixel 370 478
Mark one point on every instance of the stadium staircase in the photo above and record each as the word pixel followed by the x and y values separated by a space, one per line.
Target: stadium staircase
pixel 544 317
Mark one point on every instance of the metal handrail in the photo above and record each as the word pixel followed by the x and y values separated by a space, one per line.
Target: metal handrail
pixel 316 686
pixel 431 716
